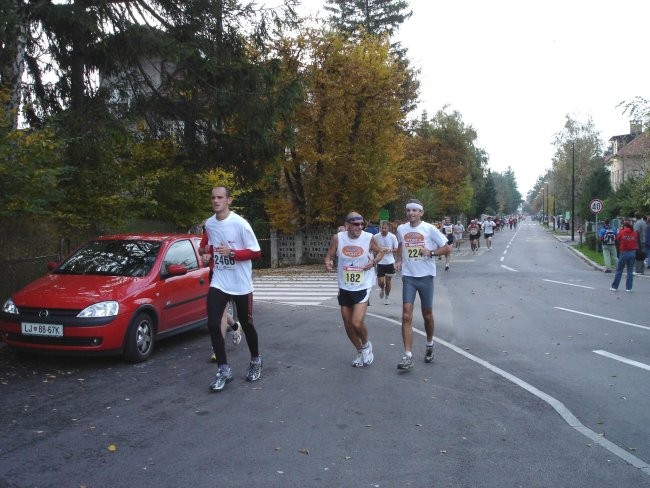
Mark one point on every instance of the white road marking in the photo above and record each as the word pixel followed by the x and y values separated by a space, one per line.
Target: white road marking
pixel 557 405
pixel 569 284
pixel 604 318
pixel 296 290
pixel 508 268
pixel 622 359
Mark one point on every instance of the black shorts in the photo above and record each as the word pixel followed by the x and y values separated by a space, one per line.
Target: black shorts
pixel 487 236
pixel 349 298
pixel 385 270
pixel 450 239
pixel 473 237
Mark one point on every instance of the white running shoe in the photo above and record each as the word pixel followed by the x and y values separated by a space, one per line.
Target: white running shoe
pixel 358 361
pixel 367 354
pixel 236 332
pixel 381 293
pixel 386 301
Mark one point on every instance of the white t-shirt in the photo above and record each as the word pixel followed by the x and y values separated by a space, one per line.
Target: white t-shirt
pixel 387 242
pixel 458 231
pixel 488 226
pixel 413 241
pixel 353 255
pixel 230 276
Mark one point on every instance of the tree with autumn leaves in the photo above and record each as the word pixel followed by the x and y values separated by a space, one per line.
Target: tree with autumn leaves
pixel 349 141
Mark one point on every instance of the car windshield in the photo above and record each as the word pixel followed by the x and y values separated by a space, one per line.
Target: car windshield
pixel 112 258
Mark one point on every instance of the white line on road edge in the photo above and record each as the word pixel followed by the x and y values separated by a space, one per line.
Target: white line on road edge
pixel 508 268
pixel 569 284
pixel 604 318
pixel 557 405
pixel 623 360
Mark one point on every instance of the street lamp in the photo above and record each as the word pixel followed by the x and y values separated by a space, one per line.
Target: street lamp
pixel 573 191
pixel 543 210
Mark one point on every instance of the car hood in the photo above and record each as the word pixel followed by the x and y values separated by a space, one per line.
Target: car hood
pixel 76 291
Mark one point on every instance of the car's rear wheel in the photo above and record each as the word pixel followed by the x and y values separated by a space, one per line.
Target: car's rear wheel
pixel 139 339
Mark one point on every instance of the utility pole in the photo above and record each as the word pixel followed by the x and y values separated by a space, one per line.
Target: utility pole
pixel 573 191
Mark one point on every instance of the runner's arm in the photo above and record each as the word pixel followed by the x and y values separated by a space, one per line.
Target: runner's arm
pixel 331 252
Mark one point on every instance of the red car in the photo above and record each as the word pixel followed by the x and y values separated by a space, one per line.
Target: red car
pixel 114 295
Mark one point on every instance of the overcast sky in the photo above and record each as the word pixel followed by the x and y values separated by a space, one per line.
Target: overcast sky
pixel 515 68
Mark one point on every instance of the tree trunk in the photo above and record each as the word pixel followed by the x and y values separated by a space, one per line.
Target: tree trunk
pixel 12 57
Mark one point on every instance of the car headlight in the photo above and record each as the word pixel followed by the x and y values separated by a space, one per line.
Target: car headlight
pixel 101 309
pixel 10 307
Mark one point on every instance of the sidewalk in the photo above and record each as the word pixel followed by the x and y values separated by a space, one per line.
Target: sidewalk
pixel 566 239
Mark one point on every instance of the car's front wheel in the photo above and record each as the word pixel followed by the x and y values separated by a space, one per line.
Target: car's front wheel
pixel 139 339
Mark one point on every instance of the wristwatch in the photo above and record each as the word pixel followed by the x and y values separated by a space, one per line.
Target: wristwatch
pixel 232 254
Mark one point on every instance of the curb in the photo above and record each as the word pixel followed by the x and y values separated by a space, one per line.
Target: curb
pixel 591 263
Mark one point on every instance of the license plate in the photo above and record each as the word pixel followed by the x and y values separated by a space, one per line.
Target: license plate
pixel 50 330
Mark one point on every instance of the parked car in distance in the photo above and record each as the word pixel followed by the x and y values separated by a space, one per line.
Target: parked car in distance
pixel 117 294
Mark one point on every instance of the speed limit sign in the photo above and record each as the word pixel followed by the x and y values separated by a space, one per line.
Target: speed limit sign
pixel 596 206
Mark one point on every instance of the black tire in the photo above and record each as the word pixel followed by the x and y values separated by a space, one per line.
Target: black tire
pixel 139 340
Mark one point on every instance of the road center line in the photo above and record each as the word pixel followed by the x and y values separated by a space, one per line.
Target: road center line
pixel 508 268
pixel 604 318
pixel 569 284
pixel 631 362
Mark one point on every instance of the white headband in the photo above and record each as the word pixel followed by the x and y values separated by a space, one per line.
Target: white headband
pixel 416 206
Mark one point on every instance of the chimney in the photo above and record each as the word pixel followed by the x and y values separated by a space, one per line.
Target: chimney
pixel 636 127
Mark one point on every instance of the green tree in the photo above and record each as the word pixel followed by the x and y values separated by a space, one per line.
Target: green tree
pixel 32 167
pixel 441 153
pixel 578 151
pixel 597 185
pixel 372 16
pixel 507 196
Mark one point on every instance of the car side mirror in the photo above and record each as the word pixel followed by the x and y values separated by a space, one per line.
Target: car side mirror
pixel 176 270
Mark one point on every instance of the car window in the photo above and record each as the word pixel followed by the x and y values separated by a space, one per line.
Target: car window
pixel 181 252
pixel 113 258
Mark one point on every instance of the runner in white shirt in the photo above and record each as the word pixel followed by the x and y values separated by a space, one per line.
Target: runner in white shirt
pixel 448 231
pixel 234 246
pixel 488 231
pixel 419 243
pixel 355 249
pixel 386 267
pixel 458 234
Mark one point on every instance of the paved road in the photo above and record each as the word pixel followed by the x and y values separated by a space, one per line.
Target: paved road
pixel 314 421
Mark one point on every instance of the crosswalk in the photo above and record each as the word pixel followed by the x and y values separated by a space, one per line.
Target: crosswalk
pixel 316 288
pixel 311 289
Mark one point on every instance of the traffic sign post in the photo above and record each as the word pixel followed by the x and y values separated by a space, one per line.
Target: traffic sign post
pixel 596 206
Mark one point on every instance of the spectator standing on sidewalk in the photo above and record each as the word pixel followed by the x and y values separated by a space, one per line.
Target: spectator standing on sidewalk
pixel 419 243
pixel 354 249
pixel 386 267
pixel 607 237
pixel 234 245
pixel 640 227
pixel 628 241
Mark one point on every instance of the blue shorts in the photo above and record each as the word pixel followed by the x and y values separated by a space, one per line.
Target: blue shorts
pixel 422 285
pixel 349 298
